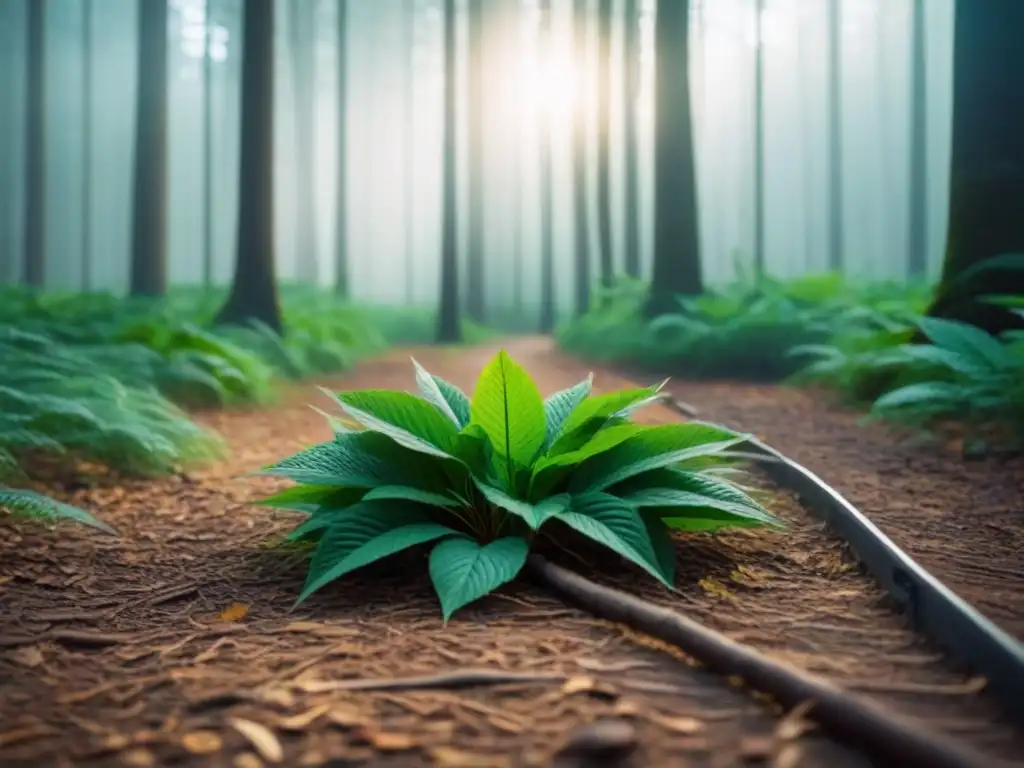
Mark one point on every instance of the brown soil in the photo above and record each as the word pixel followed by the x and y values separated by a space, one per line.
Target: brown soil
pixel 158 647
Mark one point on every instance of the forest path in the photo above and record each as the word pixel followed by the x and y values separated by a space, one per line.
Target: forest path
pixel 118 651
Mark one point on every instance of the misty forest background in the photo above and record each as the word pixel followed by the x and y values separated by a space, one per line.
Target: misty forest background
pixel 837 128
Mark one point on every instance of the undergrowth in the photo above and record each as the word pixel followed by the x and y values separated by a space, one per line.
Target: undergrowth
pixel 485 480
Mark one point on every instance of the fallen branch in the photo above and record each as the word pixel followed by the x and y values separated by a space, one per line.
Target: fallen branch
pixel 876 731
pixel 466 678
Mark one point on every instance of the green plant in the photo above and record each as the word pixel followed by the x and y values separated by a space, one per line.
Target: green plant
pixel 483 480
pixel 35 506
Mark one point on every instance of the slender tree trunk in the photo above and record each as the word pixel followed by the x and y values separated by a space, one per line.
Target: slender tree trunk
pixel 86 189
pixel 677 267
pixel 448 325
pixel 35 147
pixel 547 245
pixel 408 147
pixel 475 258
pixel 917 258
pixel 581 162
pixel 835 136
pixel 631 52
pixel 604 121
pixel 759 255
pixel 304 92
pixel 341 173
pixel 208 149
pixel 254 291
pixel 987 179
pixel 149 220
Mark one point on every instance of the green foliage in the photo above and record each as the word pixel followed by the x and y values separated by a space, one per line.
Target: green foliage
pixel 34 506
pixel 739 331
pixel 484 479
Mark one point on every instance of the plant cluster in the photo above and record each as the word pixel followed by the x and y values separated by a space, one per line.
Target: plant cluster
pixel 484 480
pixel 743 330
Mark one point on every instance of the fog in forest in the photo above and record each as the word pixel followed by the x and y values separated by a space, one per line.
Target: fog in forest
pixel 394 119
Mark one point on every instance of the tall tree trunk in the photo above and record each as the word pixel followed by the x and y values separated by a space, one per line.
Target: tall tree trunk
pixel 759 255
pixel 149 219
pixel 208 148
pixel 408 147
pixel 303 49
pixel 35 147
pixel 917 241
pixel 254 291
pixel 986 207
pixel 86 188
pixel 547 244
pixel 341 172
pixel 448 325
pixel 835 136
pixel 475 94
pixel 631 53
pixel 581 161
pixel 604 124
pixel 677 267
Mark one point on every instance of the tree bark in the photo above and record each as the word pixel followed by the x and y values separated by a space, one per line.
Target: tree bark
pixel 475 95
pixel 448 326
pixel 677 267
pixel 254 290
pixel 303 50
pixel 581 162
pixel 917 240
pixel 631 52
pixel 149 220
pixel 604 121
pixel 547 245
pixel 835 136
pixel 986 207
pixel 34 267
pixel 341 171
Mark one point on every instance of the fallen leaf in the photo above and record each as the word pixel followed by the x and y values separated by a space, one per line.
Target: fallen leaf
pixel 248 760
pixel 596 665
pixel 684 725
pixel 138 758
pixel 28 656
pixel 233 612
pixel 202 742
pixel 390 741
pixel 303 720
pixel 449 757
pixel 262 738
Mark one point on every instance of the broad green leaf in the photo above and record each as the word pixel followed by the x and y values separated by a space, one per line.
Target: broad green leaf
pixel 591 414
pixel 447 398
pixel 618 526
pixel 559 406
pixel 533 514
pixel 962 339
pixel 706 482
pixel 473 447
pixel 463 571
pixel 366 533
pixel 509 407
pixel 405 493
pixel 24 503
pixel 660 446
pixel 712 520
pixel 409 421
pixel 309 498
pixel 359 460
pixel 676 503
pixel 550 469
pixel 662 544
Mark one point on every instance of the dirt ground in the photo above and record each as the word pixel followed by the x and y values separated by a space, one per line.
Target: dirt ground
pixel 177 642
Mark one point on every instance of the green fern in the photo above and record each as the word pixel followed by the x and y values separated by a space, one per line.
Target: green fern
pixel 26 504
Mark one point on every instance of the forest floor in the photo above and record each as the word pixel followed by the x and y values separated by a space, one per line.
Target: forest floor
pixel 177 642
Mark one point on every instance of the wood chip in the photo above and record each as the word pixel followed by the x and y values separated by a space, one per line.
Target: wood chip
pixel 28 656
pixel 262 739
pixel 138 758
pixel 303 720
pixel 449 757
pixel 684 725
pixel 388 741
pixel 247 760
pixel 202 742
pixel 795 724
pixel 625 665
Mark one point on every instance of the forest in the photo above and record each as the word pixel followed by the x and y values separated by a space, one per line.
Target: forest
pixel 511 382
